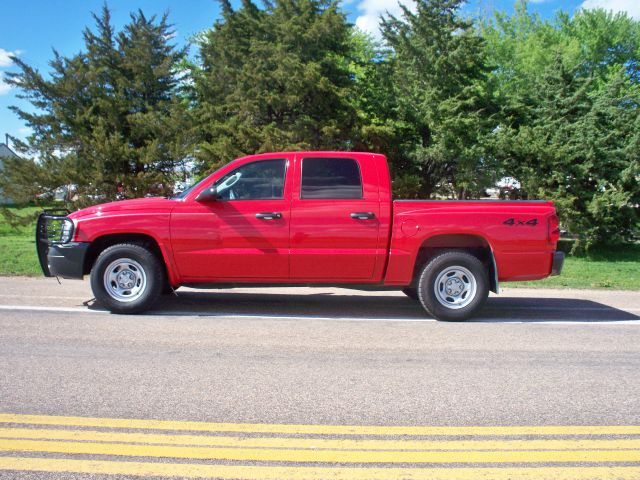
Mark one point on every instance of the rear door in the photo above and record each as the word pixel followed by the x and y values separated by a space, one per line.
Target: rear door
pixel 334 218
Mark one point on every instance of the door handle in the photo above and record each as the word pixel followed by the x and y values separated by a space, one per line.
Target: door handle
pixel 269 215
pixel 363 215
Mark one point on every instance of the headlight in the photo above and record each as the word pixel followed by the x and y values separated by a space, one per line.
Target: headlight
pixel 66 231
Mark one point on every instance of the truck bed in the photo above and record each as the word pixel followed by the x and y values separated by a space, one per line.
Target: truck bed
pixel 516 232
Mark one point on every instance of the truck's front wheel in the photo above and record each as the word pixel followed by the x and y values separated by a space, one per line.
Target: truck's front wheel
pixel 453 286
pixel 127 278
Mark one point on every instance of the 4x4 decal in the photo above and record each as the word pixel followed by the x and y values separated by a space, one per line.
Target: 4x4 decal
pixel 513 222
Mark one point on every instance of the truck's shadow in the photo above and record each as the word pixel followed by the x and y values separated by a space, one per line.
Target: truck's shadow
pixel 378 307
pixel 533 310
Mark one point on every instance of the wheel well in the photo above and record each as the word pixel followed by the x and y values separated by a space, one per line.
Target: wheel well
pixel 473 244
pixel 106 241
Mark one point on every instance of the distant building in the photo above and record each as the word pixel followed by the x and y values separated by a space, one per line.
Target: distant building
pixel 5 152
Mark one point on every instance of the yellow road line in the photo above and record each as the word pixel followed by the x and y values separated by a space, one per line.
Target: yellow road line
pixel 226 472
pixel 317 429
pixel 314 443
pixel 324 456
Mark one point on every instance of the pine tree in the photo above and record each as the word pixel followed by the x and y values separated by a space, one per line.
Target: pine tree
pixel 274 79
pixel 108 115
pixel 570 116
pixel 440 83
pixel 379 127
pixel 579 149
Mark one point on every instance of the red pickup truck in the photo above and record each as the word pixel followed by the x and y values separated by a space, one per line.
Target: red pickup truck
pixel 302 218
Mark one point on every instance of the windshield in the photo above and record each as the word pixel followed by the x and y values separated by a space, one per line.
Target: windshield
pixel 188 190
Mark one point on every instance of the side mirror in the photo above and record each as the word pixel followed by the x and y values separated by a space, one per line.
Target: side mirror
pixel 208 195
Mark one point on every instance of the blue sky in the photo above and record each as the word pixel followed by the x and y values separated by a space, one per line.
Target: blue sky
pixel 32 28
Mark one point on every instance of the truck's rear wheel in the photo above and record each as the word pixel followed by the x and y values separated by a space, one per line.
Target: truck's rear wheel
pixel 453 286
pixel 127 278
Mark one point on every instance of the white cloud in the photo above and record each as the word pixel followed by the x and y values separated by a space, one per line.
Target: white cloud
pixel 171 35
pixel 5 60
pixel 369 20
pixel 4 87
pixel 632 7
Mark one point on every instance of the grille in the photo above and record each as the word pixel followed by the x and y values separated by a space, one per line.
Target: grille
pixel 50 224
pixel 48 231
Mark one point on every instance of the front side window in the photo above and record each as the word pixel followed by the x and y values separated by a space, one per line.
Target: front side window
pixel 330 178
pixel 261 180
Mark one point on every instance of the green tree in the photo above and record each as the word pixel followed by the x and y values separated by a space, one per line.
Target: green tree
pixel 273 79
pixel 568 91
pixel 576 152
pixel 443 98
pixel 107 115
pixel 379 125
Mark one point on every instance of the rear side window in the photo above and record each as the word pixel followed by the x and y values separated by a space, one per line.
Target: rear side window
pixel 330 178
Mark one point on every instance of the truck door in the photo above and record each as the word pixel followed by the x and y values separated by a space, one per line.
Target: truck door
pixel 334 218
pixel 241 235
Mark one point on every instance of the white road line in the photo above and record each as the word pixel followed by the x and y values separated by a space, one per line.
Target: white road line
pixel 571 309
pixel 555 321
pixel 558 321
pixel 487 307
pixel 208 314
pixel 52 297
pixel 34 308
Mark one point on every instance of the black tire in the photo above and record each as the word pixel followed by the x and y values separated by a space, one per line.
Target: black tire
pixel 411 292
pixel 150 269
pixel 167 289
pixel 458 307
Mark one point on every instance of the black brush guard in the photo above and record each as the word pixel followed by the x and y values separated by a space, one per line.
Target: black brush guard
pixel 48 232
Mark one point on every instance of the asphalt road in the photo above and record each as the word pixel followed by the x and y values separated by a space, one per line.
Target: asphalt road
pixel 300 365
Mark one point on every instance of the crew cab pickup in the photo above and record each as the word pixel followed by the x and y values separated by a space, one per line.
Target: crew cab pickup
pixel 302 218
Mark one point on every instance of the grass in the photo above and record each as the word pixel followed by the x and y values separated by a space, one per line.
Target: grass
pixel 616 268
pixel 18 256
pixel 17 245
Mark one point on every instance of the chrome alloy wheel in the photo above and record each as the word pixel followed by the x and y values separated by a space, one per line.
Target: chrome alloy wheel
pixel 125 280
pixel 455 287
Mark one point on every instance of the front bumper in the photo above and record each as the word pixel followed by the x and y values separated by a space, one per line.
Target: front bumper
pixel 66 260
pixel 57 256
pixel 558 262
